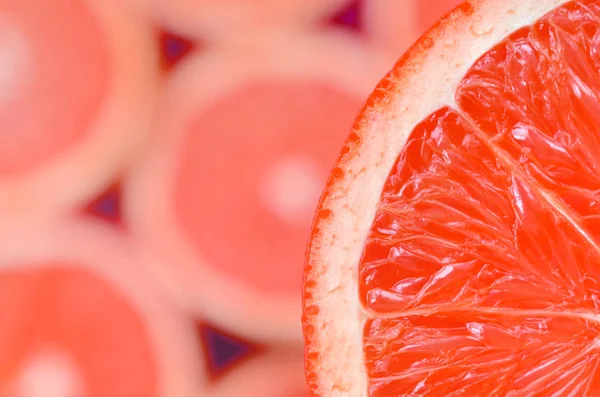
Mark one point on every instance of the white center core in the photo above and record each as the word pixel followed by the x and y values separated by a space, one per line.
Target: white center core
pixel 15 61
pixel 291 187
pixel 50 374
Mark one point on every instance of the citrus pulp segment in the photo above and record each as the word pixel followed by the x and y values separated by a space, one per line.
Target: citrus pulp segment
pixel 79 319
pixel 225 192
pixel 78 81
pixel 455 249
pixel 459 234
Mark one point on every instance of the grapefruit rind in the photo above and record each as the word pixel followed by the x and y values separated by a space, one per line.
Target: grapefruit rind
pixel 148 207
pixel 94 247
pixel 118 131
pixel 423 80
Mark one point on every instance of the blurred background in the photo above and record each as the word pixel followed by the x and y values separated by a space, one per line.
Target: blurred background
pixel 160 165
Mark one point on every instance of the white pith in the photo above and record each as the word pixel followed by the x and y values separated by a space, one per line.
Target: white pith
pixel 96 248
pixel 148 208
pixel 426 82
pixel 121 124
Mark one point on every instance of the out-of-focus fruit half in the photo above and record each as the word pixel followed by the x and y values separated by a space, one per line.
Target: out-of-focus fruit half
pixel 79 319
pixel 396 24
pixel 225 197
pixel 77 83
pixel 270 374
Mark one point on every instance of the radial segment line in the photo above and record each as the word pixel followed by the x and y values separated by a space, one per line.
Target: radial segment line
pixel 516 313
pixel 551 199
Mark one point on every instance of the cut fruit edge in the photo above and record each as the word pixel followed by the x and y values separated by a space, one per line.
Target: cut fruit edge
pixel 431 71
pixel 120 127
pixel 97 249
pixel 147 202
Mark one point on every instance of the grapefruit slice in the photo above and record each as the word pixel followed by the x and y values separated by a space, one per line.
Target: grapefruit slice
pixel 455 251
pixel 78 319
pixel 227 191
pixel 275 373
pixel 216 20
pixel 77 82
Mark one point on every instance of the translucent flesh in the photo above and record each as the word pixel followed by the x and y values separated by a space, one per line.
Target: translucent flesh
pixel 75 313
pixel 62 74
pixel 229 148
pixel 481 274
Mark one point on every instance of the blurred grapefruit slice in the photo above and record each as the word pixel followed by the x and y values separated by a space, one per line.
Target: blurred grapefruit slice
pixel 228 189
pixel 395 25
pixel 77 80
pixel 391 24
pixel 234 20
pixel 78 319
pixel 456 249
pixel 430 11
pixel 275 373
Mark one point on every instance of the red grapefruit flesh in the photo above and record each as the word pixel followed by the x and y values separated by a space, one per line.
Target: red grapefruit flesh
pixel 77 81
pixel 216 20
pixel 78 321
pixel 230 184
pixel 462 258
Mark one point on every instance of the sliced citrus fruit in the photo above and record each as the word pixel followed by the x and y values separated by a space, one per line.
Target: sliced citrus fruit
pixel 227 191
pixel 234 20
pixel 456 248
pixel 77 80
pixel 78 319
pixel 275 373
